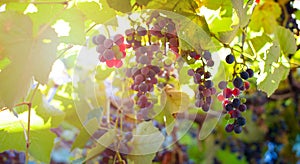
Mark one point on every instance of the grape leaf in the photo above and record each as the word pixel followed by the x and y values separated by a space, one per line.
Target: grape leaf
pixel 174 102
pixel 93 11
pixel 120 5
pixel 220 25
pixel 102 74
pixel 12 135
pixel 272 56
pixel 260 43
pixel 19 7
pixel 85 133
pixel 147 140
pixel 184 78
pixel 102 143
pixel 47 111
pixel 272 79
pixel 286 40
pixel 214 5
pixel 244 18
pixel 49 14
pixel 265 15
pixel 33 57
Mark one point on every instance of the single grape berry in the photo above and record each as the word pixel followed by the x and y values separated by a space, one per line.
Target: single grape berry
pixel 210 63
pixel 227 92
pixel 236 102
pixel 244 75
pixel 242 107
pixel 207 55
pixel 229 106
pixel 143 87
pixel 237 129
pixel 241 121
pixel 208 84
pixel 229 128
pixel 222 84
pixel 229 59
pixel 250 72
pixel 236 91
pixel 238 82
pixel 191 72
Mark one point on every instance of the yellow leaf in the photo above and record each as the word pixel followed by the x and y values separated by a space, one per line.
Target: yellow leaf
pixel 176 101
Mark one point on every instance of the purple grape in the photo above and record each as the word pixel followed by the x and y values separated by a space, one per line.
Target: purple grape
pixel 222 84
pixel 108 54
pixel 229 59
pixel 244 75
pixel 229 107
pixel 237 129
pixel 145 70
pixel 199 103
pixel 100 49
pixel 207 55
pixel 205 107
pixel 108 43
pixel 191 72
pixel 118 39
pixel 100 39
pixel 143 87
pixel 138 79
pixel 210 63
pixel 206 92
pixel 241 121
pixel 197 78
pixel 128 136
pixel 174 42
pixel 236 102
pixel 238 82
pixel 242 107
pixel 208 84
pixel 141 31
pixel 250 72
pixel 229 128
pixel 143 59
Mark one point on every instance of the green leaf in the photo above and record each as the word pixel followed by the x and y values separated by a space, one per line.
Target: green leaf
pixel 85 133
pixel 93 11
pixel 184 78
pixel 286 40
pixel 47 111
pixel 146 142
pixel 33 57
pixel 19 7
pixel 103 73
pixel 220 25
pixel 102 143
pixel 172 102
pixel 244 18
pixel 272 56
pixel 272 79
pixel 223 4
pixel 264 16
pixel 49 14
pixel 183 7
pixel 12 135
pixel 120 5
pixel 260 43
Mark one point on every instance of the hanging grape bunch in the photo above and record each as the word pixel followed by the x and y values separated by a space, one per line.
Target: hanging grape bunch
pixel 202 77
pixel 231 98
pixel 111 51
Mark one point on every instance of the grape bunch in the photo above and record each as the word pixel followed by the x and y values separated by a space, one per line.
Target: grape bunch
pixel 233 104
pixel 144 80
pixel 111 51
pixel 202 77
